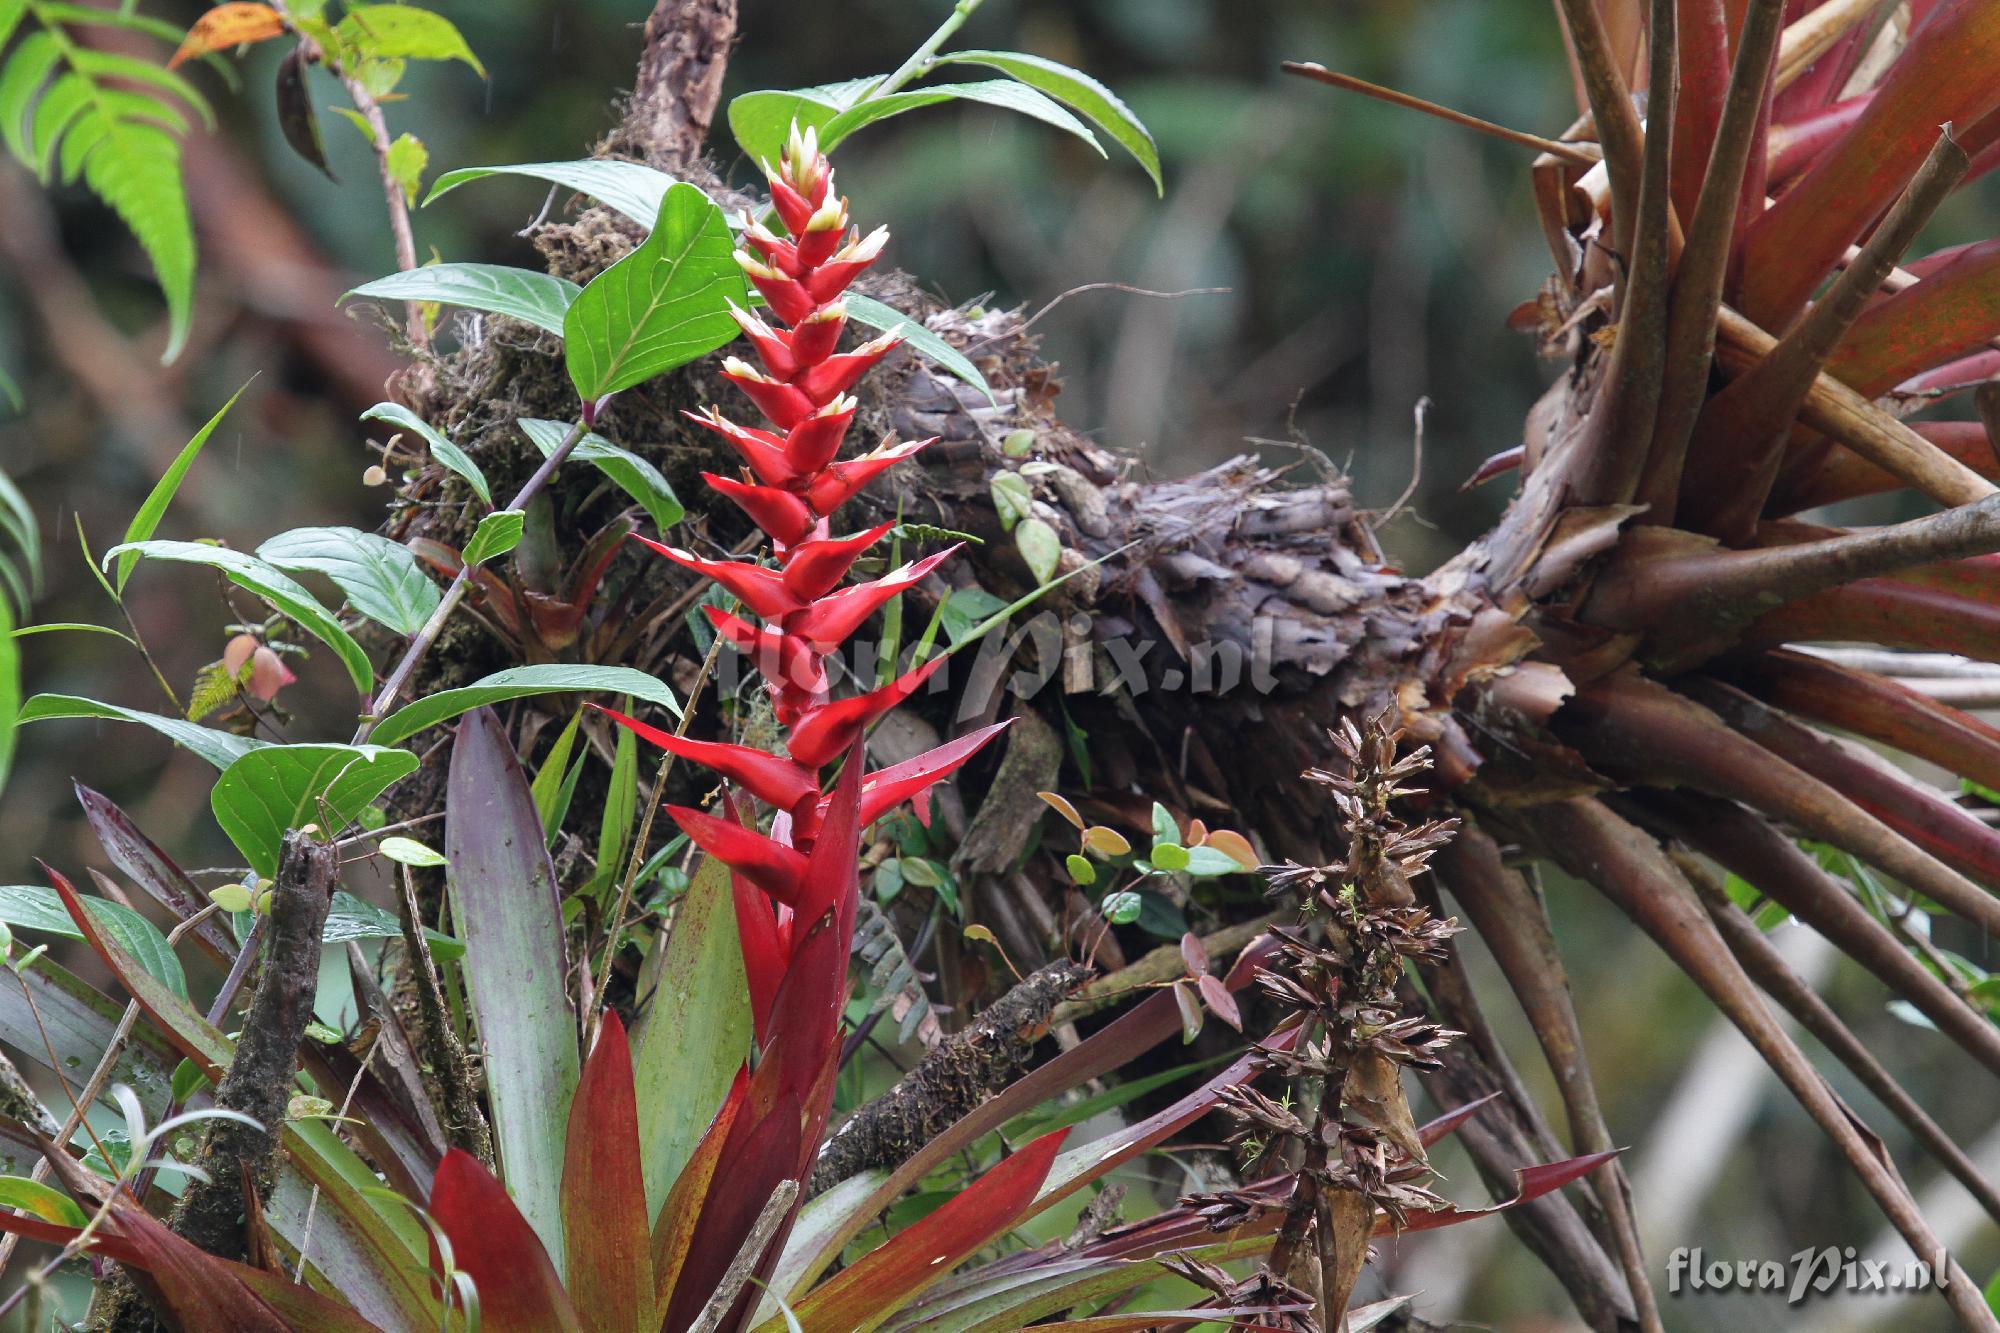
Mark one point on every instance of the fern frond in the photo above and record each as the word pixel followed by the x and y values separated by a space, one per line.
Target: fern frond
pixel 20 548
pixel 114 121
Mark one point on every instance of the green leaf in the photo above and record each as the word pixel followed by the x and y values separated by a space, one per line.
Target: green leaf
pixel 72 627
pixel 32 1196
pixel 404 32
pixel 629 472
pixel 548 784
pixel 188 1080
pixel 1207 862
pixel 147 520
pixel 408 159
pixel 381 578
pixel 695 1031
pixel 1168 856
pixel 1003 93
pixel 1078 91
pixel 867 310
pixel 498 533
pixel 275 587
pixel 504 901
pixel 444 451
pixel 1040 547
pixel 409 852
pixel 621 804
pixel 966 609
pixel 760 121
pixel 10 690
pixel 540 299
pixel 520 683
pixel 1080 869
pixel 217 747
pixel 352 918
pixel 1164 827
pixel 17 520
pixel 32 907
pixel 1122 909
pixel 631 188
pixel 661 306
pixel 1012 498
pixel 271 791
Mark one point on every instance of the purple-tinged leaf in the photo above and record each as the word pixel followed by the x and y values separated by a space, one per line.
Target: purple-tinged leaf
pixel 493 1243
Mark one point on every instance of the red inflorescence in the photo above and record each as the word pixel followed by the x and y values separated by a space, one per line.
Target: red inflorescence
pixel 791 484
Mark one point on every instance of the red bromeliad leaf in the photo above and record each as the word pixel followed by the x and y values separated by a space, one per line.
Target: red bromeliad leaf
pixel 764 775
pixel 1797 144
pixel 814 569
pixel 762 590
pixel 1890 613
pixel 886 1279
pixel 1704 82
pixel 911 780
pixel 1943 74
pixel 605 1228
pixel 831 728
pixel 761 1151
pixel 1532 1183
pixel 827 623
pixel 1434 1131
pixel 493 1244
pixel 1843 475
pixel 674 1229
pixel 778 512
pixel 1951 312
pixel 773 867
pixel 833 880
pixel 1880 709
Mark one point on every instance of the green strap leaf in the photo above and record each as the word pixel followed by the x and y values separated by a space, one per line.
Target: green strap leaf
pixel 867 310
pixel 631 473
pixel 277 788
pixel 32 907
pixel 520 683
pixel 631 188
pixel 275 587
pixel 540 299
pixel 444 451
pixel 381 578
pixel 1078 91
pixel 217 747
pixel 10 690
pixel 661 306
pixel 147 521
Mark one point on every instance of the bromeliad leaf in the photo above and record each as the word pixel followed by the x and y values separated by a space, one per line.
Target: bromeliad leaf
pixel 275 587
pixel 520 683
pixel 218 747
pixel 270 791
pixel 1078 91
pixel 659 307
pixel 32 907
pixel 381 578
pixel 147 521
pixel 631 188
pixel 444 451
pixel 503 891
pixel 631 473
pixel 498 533
pixel 540 299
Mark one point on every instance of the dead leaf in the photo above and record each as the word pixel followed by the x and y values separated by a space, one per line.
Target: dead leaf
pixel 227 26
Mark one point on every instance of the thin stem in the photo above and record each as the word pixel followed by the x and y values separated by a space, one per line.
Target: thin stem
pixel 639 844
pixel 421 642
pixel 920 59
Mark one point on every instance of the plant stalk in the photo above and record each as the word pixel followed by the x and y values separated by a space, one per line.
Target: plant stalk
pixel 920 59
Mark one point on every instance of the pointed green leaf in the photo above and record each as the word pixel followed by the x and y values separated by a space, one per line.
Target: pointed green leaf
pixel 381 578
pixel 147 521
pixel 867 310
pixel 444 451
pixel 1080 92
pixel 520 683
pixel 32 907
pixel 271 791
pixel 659 307
pixel 404 32
pixel 218 747
pixel 631 188
pixel 1003 93
pixel 629 472
pixel 520 293
pixel 498 533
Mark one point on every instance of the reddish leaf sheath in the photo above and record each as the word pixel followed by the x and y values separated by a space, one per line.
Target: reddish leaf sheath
pixel 605 1228
pixel 493 1244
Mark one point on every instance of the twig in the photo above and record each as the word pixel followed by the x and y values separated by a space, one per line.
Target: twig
pixel 776 1208
pixel 420 643
pixel 1124 287
pixel 1422 410
pixel 1580 154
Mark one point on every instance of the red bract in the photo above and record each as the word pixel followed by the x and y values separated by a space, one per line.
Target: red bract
pixel 796 888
